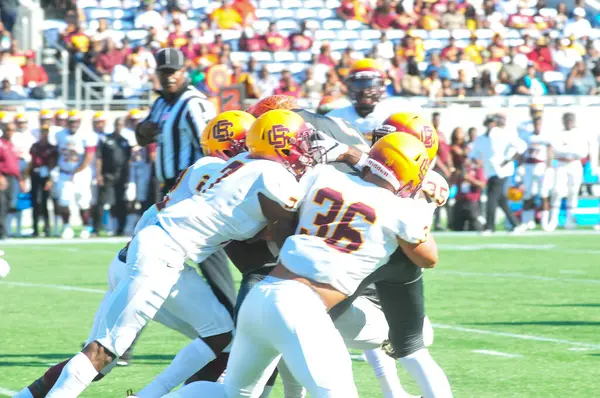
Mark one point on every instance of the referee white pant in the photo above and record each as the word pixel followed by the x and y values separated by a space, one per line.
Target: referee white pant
pixel 158 284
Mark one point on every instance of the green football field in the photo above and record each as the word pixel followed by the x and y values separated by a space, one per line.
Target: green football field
pixel 514 316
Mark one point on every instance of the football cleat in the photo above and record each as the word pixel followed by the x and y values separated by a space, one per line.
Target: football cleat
pixel 67 233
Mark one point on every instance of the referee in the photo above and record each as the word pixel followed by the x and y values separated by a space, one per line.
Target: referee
pixel 175 122
pixel 176 119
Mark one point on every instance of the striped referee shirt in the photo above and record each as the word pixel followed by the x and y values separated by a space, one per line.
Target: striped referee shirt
pixel 181 122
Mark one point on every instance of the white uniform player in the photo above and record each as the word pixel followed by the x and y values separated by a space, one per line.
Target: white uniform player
pixel 347 228
pixel 538 178
pixel 569 149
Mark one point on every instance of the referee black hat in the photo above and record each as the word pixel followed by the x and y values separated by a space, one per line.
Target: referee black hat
pixel 169 58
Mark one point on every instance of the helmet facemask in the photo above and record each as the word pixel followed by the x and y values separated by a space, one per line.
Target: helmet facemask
pixel 365 93
pixel 299 155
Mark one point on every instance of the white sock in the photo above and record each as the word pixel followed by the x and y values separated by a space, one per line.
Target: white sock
pixel 385 370
pixel 427 373
pixel 199 389
pixel 545 218
pixel 77 374
pixel 24 393
pixel 291 387
pixel 528 216
pixel 266 392
pixel 188 361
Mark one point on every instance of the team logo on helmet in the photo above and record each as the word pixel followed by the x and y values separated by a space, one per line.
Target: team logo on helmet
pixel 277 136
pixel 221 130
pixel 427 136
pixel 423 167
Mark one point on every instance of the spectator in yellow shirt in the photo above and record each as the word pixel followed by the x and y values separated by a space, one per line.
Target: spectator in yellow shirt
pixel 576 46
pixel 246 79
pixel 412 47
pixel 473 50
pixel 226 16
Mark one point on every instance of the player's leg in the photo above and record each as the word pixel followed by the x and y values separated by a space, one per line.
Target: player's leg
pixel 494 192
pixel 547 183
pixel 559 192
pixel 154 262
pixel 36 201
pixel 574 180
pixel 45 197
pixel 193 302
pixel 83 197
pixel 530 185
pixel 66 196
pixel 406 334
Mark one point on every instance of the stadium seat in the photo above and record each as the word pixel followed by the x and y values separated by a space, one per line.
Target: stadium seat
pixel 284 56
pixel 327 14
pixel 362 45
pixel 484 33
pixel 338 45
pixel 264 13
pixel 275 68
pixel 439 34
pixel 269 4
pixel 122 25
pixel 325 35
pixel 230 34
pixel 297 67
pixel 240 56
pixel 287 24
pixel 291 4
pixel 137 34
pixel 97 13
pixel 305 13
pixel 395 34
pixel 261 25
pixel 262 56
pixel 333 24
pixel 282 13
pixel 420 33
pixel 317 4
pixel 200 3
pixel 354 25
pixel 332 4
pixel 348 35
pixel 304 56
pixel 313 24
pixel 370 34
pixel 432 44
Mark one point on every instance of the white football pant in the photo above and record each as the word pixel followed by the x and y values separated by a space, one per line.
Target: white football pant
pixel 568 179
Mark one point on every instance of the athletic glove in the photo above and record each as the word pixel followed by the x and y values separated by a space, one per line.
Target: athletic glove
pixel 435 187
pixel 326 149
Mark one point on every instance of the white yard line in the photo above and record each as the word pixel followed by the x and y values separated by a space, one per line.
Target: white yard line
pixel 517 275
pixel 504 234
pixel 493 246
pixel 516 336
pixel 56 287
pixel 6 392
pixel 54 242
pixel 498 354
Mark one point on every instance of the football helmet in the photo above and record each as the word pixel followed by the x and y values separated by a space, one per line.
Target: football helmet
pixel 282 136
pixel 45 114
pixel 536 110
pixel 413 124
pixel 366 85
pixel 272 102
pixel 225 135
pixel 401 160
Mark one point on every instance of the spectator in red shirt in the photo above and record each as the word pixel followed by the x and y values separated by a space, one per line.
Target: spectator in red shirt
pixel 110 57
pixel 541 56
pixel 216 47
pixel 458 146
pixel 527 45
pixel 383 16
pixel 358 10
pixel 190 50
pixel 43 159
pixel 301 41
pixel 521 20
pixel 287 85
pixel 178 38
pixel 274 41
pixel 9 175
pixel 451 51
pixel 325 56
pixel 250 42
pixel 470 182
pixel 497 49
pixel 33 75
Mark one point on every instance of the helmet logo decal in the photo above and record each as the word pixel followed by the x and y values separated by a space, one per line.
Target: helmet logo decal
pixel 423 167
pixel 277 136
pixel 427 137
pixel 221 131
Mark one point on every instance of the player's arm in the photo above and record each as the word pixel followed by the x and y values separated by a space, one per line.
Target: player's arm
pixel 424 255
pixel 281 221
pixel 550 156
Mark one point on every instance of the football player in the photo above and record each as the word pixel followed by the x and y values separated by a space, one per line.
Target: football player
pixel 525 129
pixel 366 89
pixel 185 309
pixel 46 117
pixel 538 174
pixel 76 148
pixel 569 149
pixel 249 192
pixel 60 121
pixel 97 211
pixel 61 118
pixel 354 220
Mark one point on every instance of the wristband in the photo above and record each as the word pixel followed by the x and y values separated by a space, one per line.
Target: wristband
pixel 361 162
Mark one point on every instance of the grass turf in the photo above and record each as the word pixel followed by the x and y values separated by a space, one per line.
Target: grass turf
pixel 533 299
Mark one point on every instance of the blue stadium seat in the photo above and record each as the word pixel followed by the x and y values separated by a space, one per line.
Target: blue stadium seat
pixel 284 56
pixel 316 4
pixel 313 24
pixel 292 4
pixel 262 56
pixel 200 3
pixel 326 13
pixel 395 34
pixel 287 24
pixel 261 25
pixel 439 34
pixel 264 13
pixel 460 34
pixel 137 34
pixel 362 45
pixel 305 13
pixel 240 56
pixel 282 13
pixel 433 44
pixel 275 68
pixel 269 4
pixel 97 13
pixel 370 34
pixel 332 4
pixel 198 13
pixel 230 35
pixel 333 24
pixel 325 35
pixel 297 67
pixel 348 35
pixel 338 45
pixel 122 25
pixel 304 56
pixel 354 25
pixel 484 33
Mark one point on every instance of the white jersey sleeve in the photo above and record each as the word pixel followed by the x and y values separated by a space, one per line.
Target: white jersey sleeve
pixel 281 186
pixel 574 146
